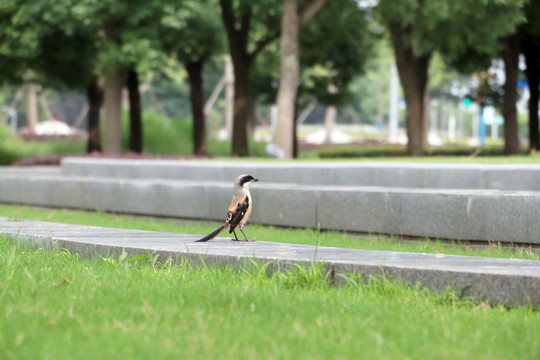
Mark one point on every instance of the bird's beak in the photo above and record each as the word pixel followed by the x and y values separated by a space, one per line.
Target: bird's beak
pixel 255 180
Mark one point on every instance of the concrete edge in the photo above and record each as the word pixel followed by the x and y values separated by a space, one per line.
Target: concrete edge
pixel 496 287
pixel 489 216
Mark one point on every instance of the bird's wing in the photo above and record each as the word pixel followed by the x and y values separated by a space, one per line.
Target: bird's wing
pixel 236 213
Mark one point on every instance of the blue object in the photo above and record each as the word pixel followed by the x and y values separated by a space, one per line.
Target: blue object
pixel 379 126
pixel 482 126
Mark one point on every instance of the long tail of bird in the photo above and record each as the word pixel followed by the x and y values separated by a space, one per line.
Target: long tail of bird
pixel 213 234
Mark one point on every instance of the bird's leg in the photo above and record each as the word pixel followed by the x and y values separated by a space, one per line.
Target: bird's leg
pixel 246 239
pixel 236 237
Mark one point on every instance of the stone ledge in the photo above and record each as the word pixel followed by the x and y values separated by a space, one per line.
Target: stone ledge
pixel 494 216
pixel 520 177
pixel 508 281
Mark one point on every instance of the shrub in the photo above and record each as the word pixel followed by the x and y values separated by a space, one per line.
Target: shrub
pixel 164 136
pixel 358 151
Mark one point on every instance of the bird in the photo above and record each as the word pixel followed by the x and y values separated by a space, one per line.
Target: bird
pixel 239 209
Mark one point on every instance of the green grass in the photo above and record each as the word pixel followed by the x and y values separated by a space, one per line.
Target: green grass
pixel 55 305
pixel 266 233
pixel 13 148
pixel 161 137
pixel 174 137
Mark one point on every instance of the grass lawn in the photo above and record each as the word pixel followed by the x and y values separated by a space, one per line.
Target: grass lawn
pixel 265 233
pixel 311 156
pixel 55 305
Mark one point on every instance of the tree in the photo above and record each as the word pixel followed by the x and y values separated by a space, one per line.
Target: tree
pixel 530 47
pixel 61 54
pixel 190 32
pixel 125 43
pixel 335 47
pixel 139 38
pixel 531 52
pixel 404 21
pixel 16 45
pixel 293 19
pixel 485 39
pixel 135 110
pixel 510 55
pixel 68 60
pixel 415 27
pixel 94 94
pixel 250 27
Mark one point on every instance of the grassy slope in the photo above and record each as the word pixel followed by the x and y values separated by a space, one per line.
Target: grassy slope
pixel 264 233
pixel 55 305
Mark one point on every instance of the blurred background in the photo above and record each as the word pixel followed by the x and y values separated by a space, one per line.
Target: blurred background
pixel 285 79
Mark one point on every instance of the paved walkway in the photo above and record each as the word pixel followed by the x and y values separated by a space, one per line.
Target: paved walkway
pixel 507 281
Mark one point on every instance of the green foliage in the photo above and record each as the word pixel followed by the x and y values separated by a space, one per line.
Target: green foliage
pixel 161 136
pixel 131 39
pixel 475 24
pixel 532 26
pixel 192 30
pixel 335 46
pixel 484 24
pixel 9 151
pixel 370 92
pixel 174 137
pixel 442 78
pixel 65 60
pixel 39 36
pixel 17 41
pixel 171 88
pixel 264 79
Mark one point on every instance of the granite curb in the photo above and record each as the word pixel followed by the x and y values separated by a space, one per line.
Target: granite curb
pixel 510 282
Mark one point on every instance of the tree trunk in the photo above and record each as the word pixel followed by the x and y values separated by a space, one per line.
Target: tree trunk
pixel 289 78
pixel 112 143
pixel 238 27
pixel 413 74
pixel 330 116
pixel 425 118
pixel 379 97
pixel 95 99
pixel 295 129
pixel 532 57
pixel 135 111
pixel 241 99
pixel 194 70
pixel 32 112
pixel 511 61
pixel 112 139
pixel 238 39
pixel 252 117
pixel 229 98
pixel 292 20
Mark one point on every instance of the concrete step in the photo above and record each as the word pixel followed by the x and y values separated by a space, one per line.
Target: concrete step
pixel 494 216
pixel 508 281
pixel 520 177
pixel 25 171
